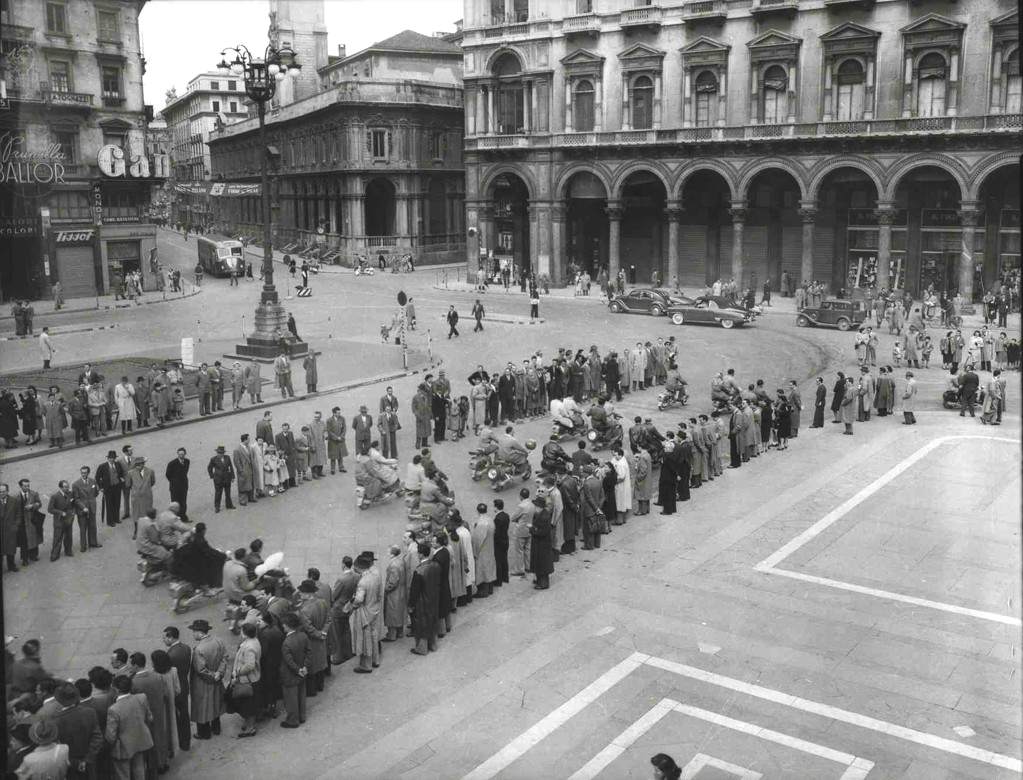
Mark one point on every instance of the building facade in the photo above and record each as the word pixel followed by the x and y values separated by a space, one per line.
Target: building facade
pixel 858 143
pixel 370 165
pixel 75 177
pixel 210 100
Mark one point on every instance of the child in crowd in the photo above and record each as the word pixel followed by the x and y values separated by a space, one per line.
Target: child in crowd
pixel 463 415
pixel 897 354
pixel 925 353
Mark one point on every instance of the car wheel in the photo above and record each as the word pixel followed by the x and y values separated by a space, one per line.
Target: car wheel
pixel 803 321
pixel 843 324
pixel 656 310
pixel 615 307
pixel 726 324
pixel 678 318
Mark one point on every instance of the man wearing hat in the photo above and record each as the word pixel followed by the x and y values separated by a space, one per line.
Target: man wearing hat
pixel 128 722
pixel 313 614
pixel 362 424
pixel 78 728
pixel 294 670
pixel 50 758
pixel 139 483
pixel 367 606
pixel 110 479
pixel 209 665
pixel 221 471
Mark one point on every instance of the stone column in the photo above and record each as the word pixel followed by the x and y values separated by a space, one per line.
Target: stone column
pixel 626 123
pixel 657 102
pixel 738 212
pixel 614 212
pixel 401 223
pixel 569 119
pixel 907 86
pixel 598 104
pixel 968 217
pixel 671 264
pixel 792 94
pixel 868 91
pixel 491 120
pixel 688 99
pixel 754 96
pixel 952 98
pixel 525 106
pixel 885 214
pixel 826 99
pixel 486 218
pixel 558 213
pixel 996 82
pixel 807 213
pixel 722 96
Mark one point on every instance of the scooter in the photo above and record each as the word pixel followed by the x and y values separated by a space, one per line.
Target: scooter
pixel 386 494
pixel 668 399
pixel 501 473
pixel 186 595
pixel 611 438
pixel 560 432
pixel 479 463
pixel 154 571
pixel 364 270
pixel 950 399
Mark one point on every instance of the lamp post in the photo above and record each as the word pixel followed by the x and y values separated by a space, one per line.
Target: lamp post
pixel 261 76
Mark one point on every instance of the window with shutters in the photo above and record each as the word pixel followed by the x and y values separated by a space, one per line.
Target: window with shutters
pixel 850 90
pixel 931 85
pixel 109 26
pixel 642 100
pixel 67 140
pixel 773 95
pixel 60 76
pixel 583 106
pixel 706 99
pixel 112 85
pixel 216 105
pixel 1013 83
pixel 214 85
pixel 56 18
pixel 379 144
pixel 232 86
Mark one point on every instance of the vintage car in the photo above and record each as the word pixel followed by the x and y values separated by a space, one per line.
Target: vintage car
pixel 644 301
pixel 729 303
pixel 833 313
pixel 710 311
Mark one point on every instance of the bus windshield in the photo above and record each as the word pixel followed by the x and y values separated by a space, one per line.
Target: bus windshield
pixel 230 251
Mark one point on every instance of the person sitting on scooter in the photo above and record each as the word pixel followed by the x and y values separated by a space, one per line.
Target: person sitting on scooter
pixel 511 451
pixel 675 384
pixel 572 410
pixel 197 563
pixel 560 418
pixel 171 527
pixel 598 417
pixel 553 458
pixel 434 503
pixel 149 542
pixel 488 442
pixel 375 473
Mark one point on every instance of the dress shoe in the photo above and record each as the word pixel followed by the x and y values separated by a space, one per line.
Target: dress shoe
pixel 286 725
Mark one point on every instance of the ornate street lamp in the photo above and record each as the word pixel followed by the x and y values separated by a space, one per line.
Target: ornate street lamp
pixel 261 78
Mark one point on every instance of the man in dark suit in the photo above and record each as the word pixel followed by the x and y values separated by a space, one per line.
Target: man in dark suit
pixel 271 641
pixel 30 521
pixel 177 477
pixel 181 658
pixel 221 471
pixel 110 479
pixel 362 425
pixel 79 730
pixel 684 452
pixel 84 491
pixel 62 510
pixel 94 694
pixel 294 669
pixel 264 428
pixel 9 515
pixel 128 722
pixel 285 442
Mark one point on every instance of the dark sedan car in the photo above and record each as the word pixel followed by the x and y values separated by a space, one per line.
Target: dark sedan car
pixel 710 311
pixel 655 301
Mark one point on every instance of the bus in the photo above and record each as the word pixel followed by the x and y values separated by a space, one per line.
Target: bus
pixel 221 258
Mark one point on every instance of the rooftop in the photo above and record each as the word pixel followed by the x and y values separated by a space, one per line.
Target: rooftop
pixel 406 42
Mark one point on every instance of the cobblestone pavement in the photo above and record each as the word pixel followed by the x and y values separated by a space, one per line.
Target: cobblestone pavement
pixel 846 608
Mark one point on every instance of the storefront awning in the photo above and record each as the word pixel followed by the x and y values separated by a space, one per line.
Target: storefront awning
pixel 219 189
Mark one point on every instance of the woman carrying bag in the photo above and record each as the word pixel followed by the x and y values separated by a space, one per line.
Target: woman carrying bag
pixel 243 692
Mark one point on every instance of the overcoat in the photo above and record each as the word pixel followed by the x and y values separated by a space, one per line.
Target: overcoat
pixel 313 614
pixel 644 480
pixel 140 481
pixel 336 428
pixel 55 417
pixel 424 598
pixel 423 411
pixel 208 657
pixel 848 404
pixel 541 553
pixel 244 468
pixel 483 550
pixel 395 592
pixel 909 396
pixel 318 455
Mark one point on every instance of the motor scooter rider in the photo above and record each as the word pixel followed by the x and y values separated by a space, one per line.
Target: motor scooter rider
pixel 197 563
pixel 553 458
pixel 434 503
pixel 675 384
pixel 598 415
pixel 560 417
pixel 511 451
pixel 572 411
pixel 375 473
pixel 150 544
pixel 488 442
pixel 171 527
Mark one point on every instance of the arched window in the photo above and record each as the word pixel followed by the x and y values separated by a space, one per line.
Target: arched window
pixel 774 95
pixel 509 105
pixel 1013 83
pixel 931 84
pixel 583 106
pixel 642 103
pixel 850 82
pixel 706 99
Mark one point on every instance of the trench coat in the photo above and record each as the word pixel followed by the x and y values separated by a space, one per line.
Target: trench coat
pixel 311 370
pixel 909 396
pixel 253 380
pixel 336 428
pixel 395 592
pixel 423 412
pixel 318 454
pixel 313 614
pixel 483 550
pixel 208 657
pixel 124 397
pixel 55 417
pixel 541 552
pixel 644 481
pixel 424 599
pixel 848 404
pixel 140 483
pixel 244 468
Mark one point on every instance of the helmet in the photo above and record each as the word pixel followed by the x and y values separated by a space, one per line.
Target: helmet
pixel 592 435
pixel 530 444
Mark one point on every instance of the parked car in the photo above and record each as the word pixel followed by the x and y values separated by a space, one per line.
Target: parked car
pixel 729 303
pixel 833 313
pixel 644 301
pixel 709 311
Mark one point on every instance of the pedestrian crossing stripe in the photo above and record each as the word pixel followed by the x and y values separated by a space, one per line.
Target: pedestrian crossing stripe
pixel 305 292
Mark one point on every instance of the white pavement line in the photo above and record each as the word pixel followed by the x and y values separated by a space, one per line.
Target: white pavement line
pixel 701 761
pixel 770 564
pixel 858 770
pixel 994 617
pixel 843 509
pixel 843 716
pixel 558 717
pixel 624 741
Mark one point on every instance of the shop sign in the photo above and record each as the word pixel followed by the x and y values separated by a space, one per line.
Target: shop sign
pixel 940 218
pixel 72 237
pixel 18 165
pixel 97 202
pixel 18 227
pixel 115 163
pixel 122 219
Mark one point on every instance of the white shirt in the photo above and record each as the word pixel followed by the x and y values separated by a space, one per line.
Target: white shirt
pixel 45 346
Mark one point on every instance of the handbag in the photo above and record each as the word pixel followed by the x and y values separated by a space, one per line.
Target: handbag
pixel 241 690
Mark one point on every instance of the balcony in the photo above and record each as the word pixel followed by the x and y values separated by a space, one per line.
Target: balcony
pixel 763 8
pixel 844 4
pixel 584 24
pixel 705 11
pixel 18 32
pixel 79 101
pixel 645 16
pixel 113 99
pixel 920 126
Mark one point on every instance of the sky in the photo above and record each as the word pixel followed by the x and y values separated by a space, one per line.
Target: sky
pixel 182 38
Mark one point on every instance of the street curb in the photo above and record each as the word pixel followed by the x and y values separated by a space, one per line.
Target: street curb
pixel 389 377
pixel 343 269
pixel 60 332
pixel 505 320
pixel 61 312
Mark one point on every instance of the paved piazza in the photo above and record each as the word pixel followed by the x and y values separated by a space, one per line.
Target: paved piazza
pixel 846 609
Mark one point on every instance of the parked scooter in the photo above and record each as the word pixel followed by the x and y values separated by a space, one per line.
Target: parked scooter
pixel 668 399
